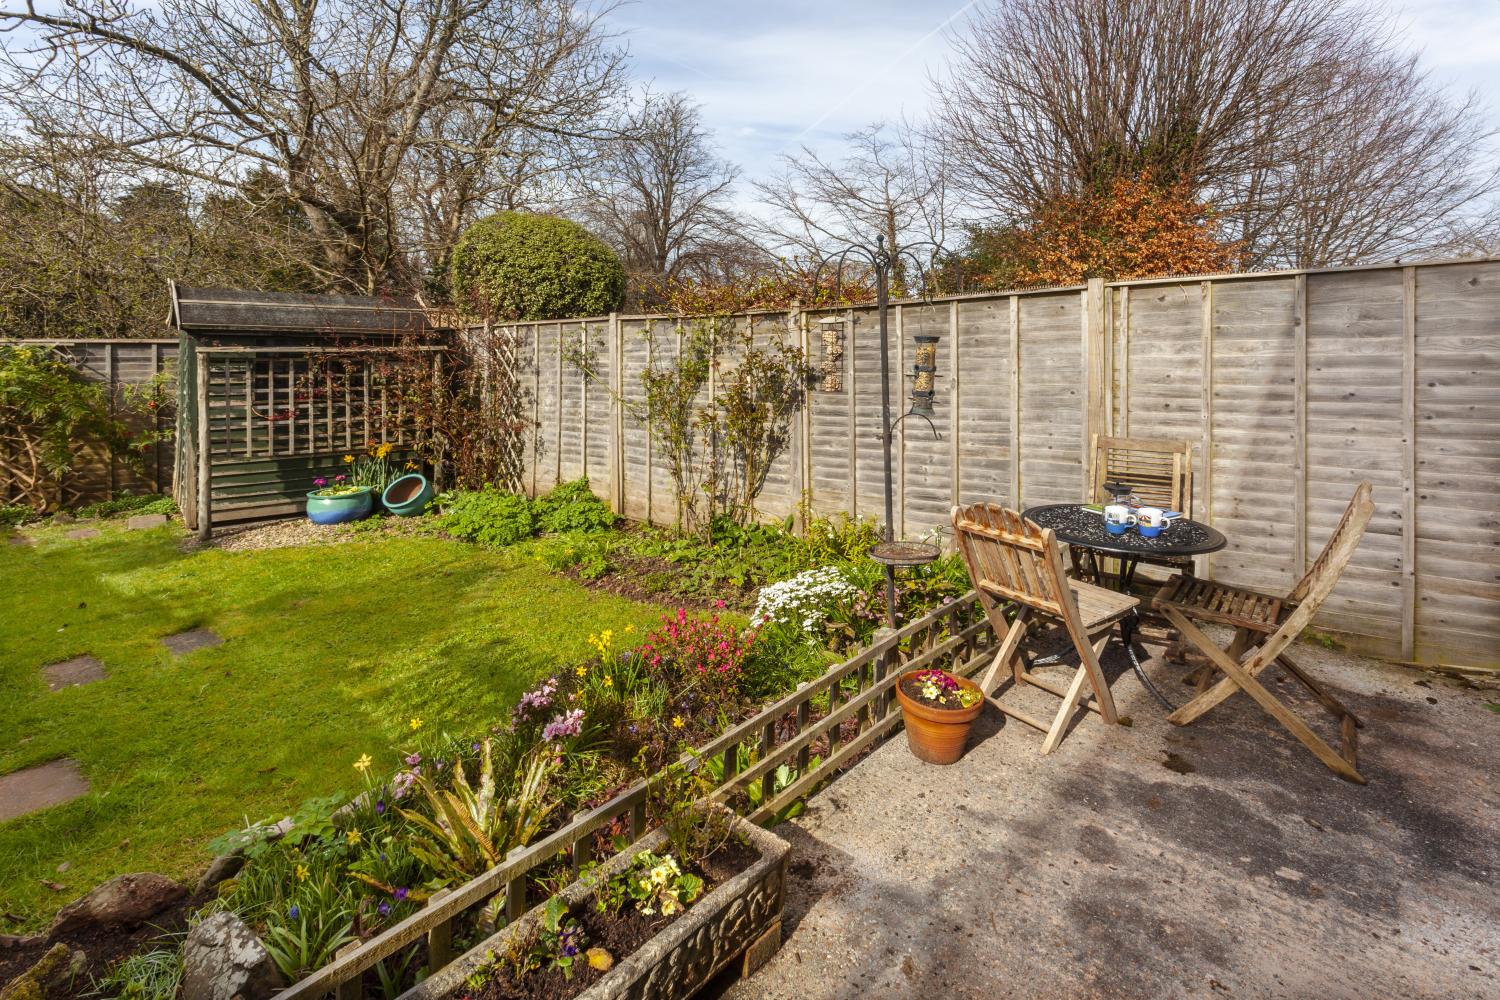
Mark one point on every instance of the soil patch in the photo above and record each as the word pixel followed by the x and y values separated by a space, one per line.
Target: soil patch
pixel 140 521
pixel 649 579
pixel 78 671
pixel 80 533
pixel 193 639
pixel 105 948
pixel 33 788
pixel 620 936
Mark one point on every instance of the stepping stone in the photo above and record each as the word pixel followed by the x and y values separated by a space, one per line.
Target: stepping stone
pixel 49 784
pixel 19 539
pixel 186 642
pixel 84 533
pixel 146 521
pixel 78 671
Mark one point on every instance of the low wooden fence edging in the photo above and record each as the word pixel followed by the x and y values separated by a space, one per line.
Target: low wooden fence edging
pixel 955 636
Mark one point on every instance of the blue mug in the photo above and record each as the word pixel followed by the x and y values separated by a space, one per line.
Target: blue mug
pixel 1152 521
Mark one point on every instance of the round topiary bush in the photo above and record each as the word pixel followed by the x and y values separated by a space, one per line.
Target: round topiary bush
pixel 518 266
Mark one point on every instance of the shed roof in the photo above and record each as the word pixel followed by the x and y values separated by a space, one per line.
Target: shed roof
pixel 234 311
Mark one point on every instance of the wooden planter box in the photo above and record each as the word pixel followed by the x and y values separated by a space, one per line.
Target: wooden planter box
pixel 742 917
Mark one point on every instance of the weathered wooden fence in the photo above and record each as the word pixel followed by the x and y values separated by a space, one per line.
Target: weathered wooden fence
pixel 1293 386
pixel 841 715
pixel 97 475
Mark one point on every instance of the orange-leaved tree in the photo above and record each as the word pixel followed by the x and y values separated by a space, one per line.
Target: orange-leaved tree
pixel 1129 227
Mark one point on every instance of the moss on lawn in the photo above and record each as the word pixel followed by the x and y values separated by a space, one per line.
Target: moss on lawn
pixel 329 652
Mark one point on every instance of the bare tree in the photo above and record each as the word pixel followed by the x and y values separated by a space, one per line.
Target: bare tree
pixel 891 182
pixel 344 100
pixel 660 194
pixel 1296 118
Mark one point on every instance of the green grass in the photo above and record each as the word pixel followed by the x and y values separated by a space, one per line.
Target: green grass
pixel 329 652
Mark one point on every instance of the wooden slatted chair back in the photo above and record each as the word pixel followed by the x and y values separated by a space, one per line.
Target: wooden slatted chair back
pixel 1313 589
pixel 1012 559
pixel 1346 524
pixel 1158 470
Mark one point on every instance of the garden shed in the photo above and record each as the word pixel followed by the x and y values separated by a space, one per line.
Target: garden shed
pixel 274 389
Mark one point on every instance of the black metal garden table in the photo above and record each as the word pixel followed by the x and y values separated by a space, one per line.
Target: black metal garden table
pixel 1082 530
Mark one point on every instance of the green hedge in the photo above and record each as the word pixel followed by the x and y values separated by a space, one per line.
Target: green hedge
pixel 519 266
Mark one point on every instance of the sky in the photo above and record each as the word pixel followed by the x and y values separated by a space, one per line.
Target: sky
pixel 772 75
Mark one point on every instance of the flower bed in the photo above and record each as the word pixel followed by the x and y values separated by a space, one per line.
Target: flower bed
pixel 630 928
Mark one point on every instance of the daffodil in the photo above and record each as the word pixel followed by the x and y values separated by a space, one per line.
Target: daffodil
pixel 302 873
pixel 629 629
pixel 384 450
pixel 411 466
pixel 677 722
pixel 416 724
pixel 609 682
pixel 364 762
pixel 354 836
pixel 582 671
pixel 348 459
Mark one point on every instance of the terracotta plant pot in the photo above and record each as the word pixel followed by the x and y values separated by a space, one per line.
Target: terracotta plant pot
pixel 937 735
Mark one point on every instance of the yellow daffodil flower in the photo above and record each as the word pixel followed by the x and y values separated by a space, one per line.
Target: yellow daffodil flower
pixel 355 837
pixel 302 873
pixel 609 682
pixel 416 724
pixel 677 722
pixel 582 671
pixel 364 762
pixel 348 459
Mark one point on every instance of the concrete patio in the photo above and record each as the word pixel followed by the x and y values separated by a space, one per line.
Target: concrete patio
pixel 1150 861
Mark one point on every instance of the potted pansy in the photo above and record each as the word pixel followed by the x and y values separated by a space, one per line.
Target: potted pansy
pixel 938 709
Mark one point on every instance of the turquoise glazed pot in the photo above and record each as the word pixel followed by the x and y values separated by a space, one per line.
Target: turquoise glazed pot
pixel 339 509
pixel 408 496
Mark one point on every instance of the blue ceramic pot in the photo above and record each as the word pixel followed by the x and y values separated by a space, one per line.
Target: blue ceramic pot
pixel 408 496
pixel 339 509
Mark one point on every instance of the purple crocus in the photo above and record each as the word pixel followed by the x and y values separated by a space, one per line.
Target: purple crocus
pixel 384 909
pixel 380 807
pixel 401 893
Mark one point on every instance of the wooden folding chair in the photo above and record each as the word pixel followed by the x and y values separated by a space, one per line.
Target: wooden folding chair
pixel 1011 561
pixel 1159 472
pixel 1265 627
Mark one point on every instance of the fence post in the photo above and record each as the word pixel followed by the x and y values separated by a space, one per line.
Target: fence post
pixel 616 415
pixel 1096 371
pixel 440 938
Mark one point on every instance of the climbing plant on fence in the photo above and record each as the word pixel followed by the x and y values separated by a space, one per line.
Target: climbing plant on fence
pixel 718 451
pixel 47 409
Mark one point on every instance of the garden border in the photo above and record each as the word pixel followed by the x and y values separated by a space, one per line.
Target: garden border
pixel 956 636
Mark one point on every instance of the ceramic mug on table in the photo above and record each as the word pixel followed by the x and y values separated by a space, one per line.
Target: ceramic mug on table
pixel 1118 519
pixel 1152 521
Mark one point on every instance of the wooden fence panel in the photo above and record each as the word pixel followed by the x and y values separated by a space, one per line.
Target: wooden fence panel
pixel 1456 447
pixel 644 495
pixel 831 418
pixel 1354 337
pixel 1052 398
pixel 925 450
pixel 984 401
pixel 1253 431
pixel 864 389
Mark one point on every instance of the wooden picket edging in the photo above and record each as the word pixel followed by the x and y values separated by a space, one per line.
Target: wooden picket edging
pixel 860 713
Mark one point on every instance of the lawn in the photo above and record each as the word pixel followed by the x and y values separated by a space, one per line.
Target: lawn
pixel 330 652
